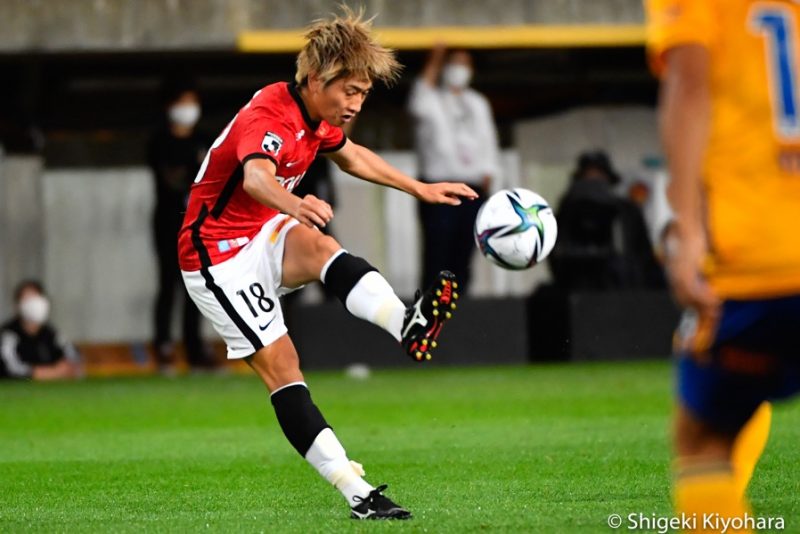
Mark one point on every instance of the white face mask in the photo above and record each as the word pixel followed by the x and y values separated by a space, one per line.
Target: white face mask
pixel 184 114
pixel 35 309
pixel 456 75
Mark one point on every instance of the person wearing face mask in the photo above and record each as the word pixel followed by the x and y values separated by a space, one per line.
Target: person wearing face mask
pixel 175 153
pixel 29 345
pixel 456 140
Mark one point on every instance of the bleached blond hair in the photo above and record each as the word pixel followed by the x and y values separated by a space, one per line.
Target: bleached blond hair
pixel 344 47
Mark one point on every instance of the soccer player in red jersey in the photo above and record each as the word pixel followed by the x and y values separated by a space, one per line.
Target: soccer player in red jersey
pixel 247 239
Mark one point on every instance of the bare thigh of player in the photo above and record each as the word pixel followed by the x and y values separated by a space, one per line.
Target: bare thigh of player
pixel 304 255
pixel 697 440
pixel 277 364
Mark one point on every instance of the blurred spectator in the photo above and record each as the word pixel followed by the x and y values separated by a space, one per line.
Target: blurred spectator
pixel 603 241
pixel 175 154
pixel 456 141
pixel 29 346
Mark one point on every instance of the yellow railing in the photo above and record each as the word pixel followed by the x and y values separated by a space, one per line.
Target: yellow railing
pixel 479 37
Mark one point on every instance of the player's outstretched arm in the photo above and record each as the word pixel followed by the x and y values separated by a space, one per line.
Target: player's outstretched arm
pixel 365 164
pixel 685 116
pixel 260 183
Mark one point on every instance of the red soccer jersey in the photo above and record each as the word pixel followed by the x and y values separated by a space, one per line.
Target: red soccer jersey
pixel 221 217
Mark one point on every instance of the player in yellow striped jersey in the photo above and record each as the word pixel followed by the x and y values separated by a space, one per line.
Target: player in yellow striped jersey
pixel 730 123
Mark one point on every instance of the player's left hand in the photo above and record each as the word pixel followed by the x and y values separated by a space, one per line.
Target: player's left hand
pixel 446 193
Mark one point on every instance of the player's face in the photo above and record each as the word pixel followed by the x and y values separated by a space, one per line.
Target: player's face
pixel 341 100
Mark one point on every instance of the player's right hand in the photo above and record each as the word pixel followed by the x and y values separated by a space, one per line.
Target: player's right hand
pixel 685 251
pixel 313 211
pixel 446 193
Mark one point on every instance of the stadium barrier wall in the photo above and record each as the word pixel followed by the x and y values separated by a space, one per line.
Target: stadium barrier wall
pixel 22 231
pixel 627 325
pixel 486 331
pixel 590 326
pixel 624 325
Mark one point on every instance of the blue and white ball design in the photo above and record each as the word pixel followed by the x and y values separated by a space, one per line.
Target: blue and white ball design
pixel 516 229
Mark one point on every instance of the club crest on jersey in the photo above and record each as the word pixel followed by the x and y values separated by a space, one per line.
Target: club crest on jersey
pixel 272 143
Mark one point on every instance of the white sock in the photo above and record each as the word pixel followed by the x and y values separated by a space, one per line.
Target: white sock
pixel 329 459
pixel 374 300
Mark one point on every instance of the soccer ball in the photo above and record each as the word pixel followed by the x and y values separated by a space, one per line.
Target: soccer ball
pixel 515 229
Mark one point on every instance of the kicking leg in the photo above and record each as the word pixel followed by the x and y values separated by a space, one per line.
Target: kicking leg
pixel 306 429
pixel 310 255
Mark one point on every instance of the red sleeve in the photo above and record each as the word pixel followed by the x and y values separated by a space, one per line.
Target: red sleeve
pixel 262 137
pixel 334 140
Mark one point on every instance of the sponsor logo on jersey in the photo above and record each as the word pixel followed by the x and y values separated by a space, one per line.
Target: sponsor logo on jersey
pixel 272 143
pixel 290 182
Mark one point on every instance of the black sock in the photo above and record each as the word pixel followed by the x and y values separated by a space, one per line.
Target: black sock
pixel 344 273
pixel 300 419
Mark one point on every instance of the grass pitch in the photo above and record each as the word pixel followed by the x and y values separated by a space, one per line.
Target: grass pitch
pixel 515 449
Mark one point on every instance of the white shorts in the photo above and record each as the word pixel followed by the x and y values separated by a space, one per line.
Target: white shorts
pixel 240 295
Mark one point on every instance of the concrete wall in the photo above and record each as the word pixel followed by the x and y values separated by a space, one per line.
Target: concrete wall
pixel 99 257
pixel 627 133
pixel 22 228
pixel 176 24
pixel 548 147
